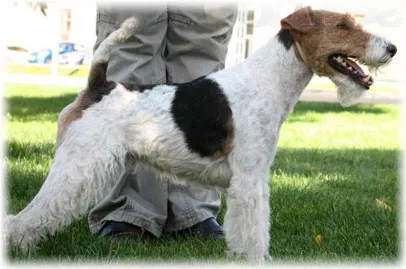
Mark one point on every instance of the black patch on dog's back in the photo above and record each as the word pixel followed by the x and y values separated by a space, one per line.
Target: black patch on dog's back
pixel 286 38
pixel 202 112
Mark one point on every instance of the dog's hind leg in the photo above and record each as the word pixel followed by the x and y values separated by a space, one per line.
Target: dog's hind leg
pixel 88 159
pixel 247 218
pixel 85 167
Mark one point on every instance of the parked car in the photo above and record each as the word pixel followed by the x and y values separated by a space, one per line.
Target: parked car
pixel 68 54
pixel 16 55
pixel 73 57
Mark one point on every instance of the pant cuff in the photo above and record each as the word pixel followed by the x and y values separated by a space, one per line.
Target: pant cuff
pixel 95 227
pixel 184 223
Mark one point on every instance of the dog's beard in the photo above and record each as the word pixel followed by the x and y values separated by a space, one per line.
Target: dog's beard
pixel 348 92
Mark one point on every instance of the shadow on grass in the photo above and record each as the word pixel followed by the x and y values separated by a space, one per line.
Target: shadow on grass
pixel 22 186
pixel 92 248
pixel 327 192
pixel 306 162
pixel 353 228
pixel 333 193
pixel 27 167
pixel 30 108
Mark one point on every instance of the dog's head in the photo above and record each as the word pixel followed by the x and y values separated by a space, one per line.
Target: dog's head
pixel 331 44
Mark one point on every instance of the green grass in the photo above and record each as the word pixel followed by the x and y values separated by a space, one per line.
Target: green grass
pixel 331 166
pixel 39 69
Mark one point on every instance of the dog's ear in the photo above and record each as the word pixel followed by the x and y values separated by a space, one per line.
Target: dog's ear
pixel 300 21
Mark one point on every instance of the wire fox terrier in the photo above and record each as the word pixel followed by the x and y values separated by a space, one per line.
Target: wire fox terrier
pixel 219 130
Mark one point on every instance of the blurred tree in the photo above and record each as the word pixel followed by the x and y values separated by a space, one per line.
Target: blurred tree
pixel 40 5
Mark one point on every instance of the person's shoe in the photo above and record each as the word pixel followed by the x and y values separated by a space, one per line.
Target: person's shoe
pixel 123 231
pixel 207 229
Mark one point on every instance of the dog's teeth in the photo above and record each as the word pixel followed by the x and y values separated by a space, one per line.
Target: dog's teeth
pixel 366 79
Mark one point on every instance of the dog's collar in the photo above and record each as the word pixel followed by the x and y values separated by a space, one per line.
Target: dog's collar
pixel 299 52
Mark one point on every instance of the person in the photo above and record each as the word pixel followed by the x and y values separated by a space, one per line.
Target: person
pixel 172 44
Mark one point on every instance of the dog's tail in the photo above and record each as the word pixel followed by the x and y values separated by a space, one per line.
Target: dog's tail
pixel 97 84
pixel 97 76
pixel 126 30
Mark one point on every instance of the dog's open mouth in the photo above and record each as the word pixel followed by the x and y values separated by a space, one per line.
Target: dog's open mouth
pixel 350 68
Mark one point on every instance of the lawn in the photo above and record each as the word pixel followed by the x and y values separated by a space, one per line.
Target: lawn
pixel 334 191
pixel 43 69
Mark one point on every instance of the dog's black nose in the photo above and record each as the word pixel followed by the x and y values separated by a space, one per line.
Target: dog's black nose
pixel 391 49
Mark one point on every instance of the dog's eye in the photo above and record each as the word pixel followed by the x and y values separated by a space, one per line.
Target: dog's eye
pixel 342 26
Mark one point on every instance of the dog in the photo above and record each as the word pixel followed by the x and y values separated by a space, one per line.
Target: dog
pixel 219 130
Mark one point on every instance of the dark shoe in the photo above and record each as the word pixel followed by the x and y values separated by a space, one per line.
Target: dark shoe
pixel 207 229
pixel 123 231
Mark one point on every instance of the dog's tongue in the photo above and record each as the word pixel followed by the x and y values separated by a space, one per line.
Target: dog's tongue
pixel 365 79
pixel 355 66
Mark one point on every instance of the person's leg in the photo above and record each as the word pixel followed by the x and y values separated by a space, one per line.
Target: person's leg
pixel 139 198
pixel 196 45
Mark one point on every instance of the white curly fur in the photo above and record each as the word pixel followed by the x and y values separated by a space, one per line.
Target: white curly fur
pixel 261 92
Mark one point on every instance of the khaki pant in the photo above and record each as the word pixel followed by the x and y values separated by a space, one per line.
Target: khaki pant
pixel 172 44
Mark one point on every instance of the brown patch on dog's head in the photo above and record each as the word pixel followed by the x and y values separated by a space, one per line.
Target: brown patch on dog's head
pixel 330 44
pixel 301 21
pixel 322 34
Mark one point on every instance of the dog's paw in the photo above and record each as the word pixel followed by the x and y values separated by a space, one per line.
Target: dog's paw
pixel 17 236
pixel 248 257
pixel 9 230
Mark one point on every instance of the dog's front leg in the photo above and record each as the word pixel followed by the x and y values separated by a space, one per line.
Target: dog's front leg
pixel 247 218
pixel 85 166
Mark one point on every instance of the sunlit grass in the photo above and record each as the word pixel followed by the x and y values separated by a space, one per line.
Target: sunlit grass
pixel 42 69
